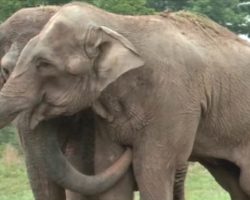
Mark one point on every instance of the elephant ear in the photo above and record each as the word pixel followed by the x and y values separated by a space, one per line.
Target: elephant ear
pixel 113 54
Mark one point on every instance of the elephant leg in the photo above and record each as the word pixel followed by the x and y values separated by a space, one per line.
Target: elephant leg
pixel 106 152
pixel 179 182
pixel 161 151
pixel 154 175
pixel 227 175
pixel 42 186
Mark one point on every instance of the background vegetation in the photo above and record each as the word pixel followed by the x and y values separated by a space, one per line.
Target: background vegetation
pixel 200 185
pixel 230 13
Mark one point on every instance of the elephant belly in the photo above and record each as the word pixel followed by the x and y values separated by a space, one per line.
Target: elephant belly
pixel 219 143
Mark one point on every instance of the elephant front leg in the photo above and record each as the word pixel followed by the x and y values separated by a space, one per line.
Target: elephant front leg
pixel 106 153
pixel 159 154
pixel 154 175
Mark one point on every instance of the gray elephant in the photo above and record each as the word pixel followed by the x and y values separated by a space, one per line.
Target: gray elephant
pixel 15 37
pixel 16 32
pixel 75 141
pixel 97 107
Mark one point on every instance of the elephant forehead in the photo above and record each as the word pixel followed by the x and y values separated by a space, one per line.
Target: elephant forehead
pixel 57 26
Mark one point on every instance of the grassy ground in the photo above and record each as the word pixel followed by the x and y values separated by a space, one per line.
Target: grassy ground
pixel 201 185
pixel 14 184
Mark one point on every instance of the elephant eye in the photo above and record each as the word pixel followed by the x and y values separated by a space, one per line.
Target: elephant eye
pixel 44 64
pixel 46 68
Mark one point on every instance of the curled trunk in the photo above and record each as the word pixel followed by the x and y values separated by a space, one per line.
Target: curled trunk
pixel 62 172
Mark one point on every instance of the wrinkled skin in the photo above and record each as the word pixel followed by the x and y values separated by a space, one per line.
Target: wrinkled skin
pixel 15 37
pixel 79 147
pixel 127 94
pixel 75 133
pixel 14 34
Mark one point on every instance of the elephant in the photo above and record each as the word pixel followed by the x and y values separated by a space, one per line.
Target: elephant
pixel 15 32
pixel 17 36
pixel 117 67
pixel 14 38
pixel 78 146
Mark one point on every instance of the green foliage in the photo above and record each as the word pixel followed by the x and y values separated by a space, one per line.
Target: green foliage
pixel 10 6
pixel 224 12
pixel 130 7
pixel 161 5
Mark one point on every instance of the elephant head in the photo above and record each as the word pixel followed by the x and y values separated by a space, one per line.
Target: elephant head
pixel 13 37
pixel 66 67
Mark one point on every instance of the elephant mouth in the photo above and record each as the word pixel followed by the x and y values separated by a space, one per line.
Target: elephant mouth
pixel 44 111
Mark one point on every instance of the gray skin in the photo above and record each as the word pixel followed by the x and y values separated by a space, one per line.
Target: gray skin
pixel 75 140
pixel 160 96
pixel 16 32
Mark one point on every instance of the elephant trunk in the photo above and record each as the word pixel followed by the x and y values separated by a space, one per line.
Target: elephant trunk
pixel 63 173
pixel 9 109
pixel 15 97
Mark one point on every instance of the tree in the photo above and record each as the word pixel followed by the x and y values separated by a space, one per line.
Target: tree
pixel 161 5
pixel 224 12
pixel 8 7
pixel 130 7
pixel 228 13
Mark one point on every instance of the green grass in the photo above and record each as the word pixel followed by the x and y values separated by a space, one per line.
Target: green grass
pixel 200 185
pixel 14 185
